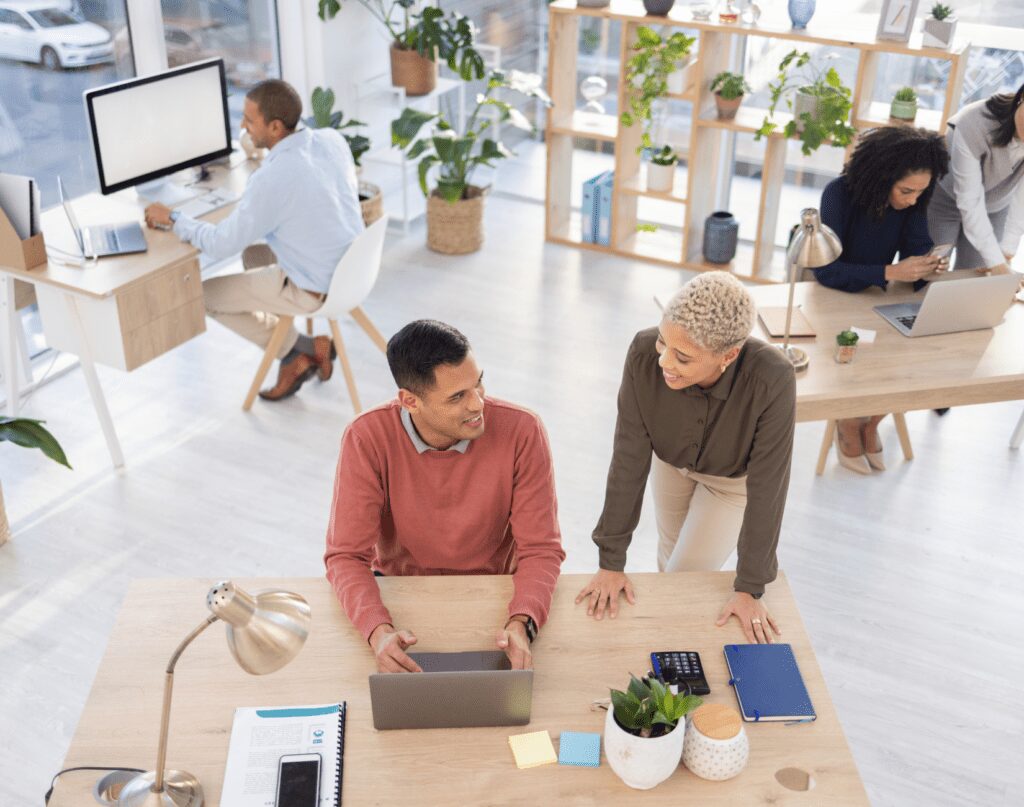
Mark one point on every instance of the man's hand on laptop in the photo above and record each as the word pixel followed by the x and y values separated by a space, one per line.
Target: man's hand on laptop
pixel 158 215
pixel 513 640
pixel 389 647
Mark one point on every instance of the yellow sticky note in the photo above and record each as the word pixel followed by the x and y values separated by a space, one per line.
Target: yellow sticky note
pixel 533 749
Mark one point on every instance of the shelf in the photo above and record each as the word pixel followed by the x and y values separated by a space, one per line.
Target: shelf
pixel 587 124
pixel 878 115
pixel 664 244
pixel 747 120
pixel 571 234
pixel 636 187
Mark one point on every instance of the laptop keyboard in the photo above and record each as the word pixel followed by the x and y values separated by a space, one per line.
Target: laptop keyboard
pixel 907 322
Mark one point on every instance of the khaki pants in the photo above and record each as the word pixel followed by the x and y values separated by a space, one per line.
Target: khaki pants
pixel 249 302
pixel 698 516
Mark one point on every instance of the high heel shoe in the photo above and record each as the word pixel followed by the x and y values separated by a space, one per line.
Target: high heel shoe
pixel 874 459
pixel 858 464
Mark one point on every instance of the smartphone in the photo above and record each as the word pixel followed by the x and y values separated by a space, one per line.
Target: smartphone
pixel 298 781
pixel 942 251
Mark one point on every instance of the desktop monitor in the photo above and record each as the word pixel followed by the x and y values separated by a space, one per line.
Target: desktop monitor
pixel 147 128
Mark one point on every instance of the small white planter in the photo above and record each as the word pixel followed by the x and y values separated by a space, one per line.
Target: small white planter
pixel 713 759
pixel 661 178
pixel 642 762
pixel 938 33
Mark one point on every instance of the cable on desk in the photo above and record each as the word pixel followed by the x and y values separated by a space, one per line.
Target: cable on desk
pixel 53 782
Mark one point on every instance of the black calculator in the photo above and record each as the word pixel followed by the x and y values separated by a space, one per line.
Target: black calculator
pixel 682 666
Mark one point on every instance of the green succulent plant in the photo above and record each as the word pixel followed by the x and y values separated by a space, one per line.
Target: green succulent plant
pixel 941 12
pixel 666 155
pixel 905 94
pixel 649 709
pixel 847 338
pixel 730 86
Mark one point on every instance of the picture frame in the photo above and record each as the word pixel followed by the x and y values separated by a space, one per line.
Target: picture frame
pixel 896 21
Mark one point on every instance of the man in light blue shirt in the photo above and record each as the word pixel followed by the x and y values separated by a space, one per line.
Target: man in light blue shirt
pixel 304 202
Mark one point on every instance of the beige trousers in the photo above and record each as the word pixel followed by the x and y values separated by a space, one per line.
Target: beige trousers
pixel 249 302
pixel 698 516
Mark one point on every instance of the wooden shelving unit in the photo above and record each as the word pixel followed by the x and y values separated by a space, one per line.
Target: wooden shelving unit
pixel 680 245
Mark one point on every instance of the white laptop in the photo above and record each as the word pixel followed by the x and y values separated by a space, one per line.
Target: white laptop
pixel 969 304
pixel 112 239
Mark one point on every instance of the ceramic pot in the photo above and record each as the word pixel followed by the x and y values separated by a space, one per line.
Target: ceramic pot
pixel 938 33
pixel 716 745
pixel 721 234
pixel 800 12
pixel 727 108
pixel 660 178
pixel 642 762
pixel 903 110
pixel 660 7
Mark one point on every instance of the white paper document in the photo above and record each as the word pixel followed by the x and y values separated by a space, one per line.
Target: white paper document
pixel 261 736
pixel 17 198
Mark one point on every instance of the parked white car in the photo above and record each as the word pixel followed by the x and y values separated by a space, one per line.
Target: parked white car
pixel 55 38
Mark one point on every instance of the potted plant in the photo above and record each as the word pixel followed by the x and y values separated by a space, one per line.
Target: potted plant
pixel 820 103
pixel 653 59
pixel 846 346
pixel 661 170
pixel 642 736
pixel 28 434
pixel 729 89
pixel 903 108
pixel 939 28
pixel 454 204
pixel 324 115
pixel 419 39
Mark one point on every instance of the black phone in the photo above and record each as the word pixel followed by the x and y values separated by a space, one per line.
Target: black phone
pixel 681 667
pixel 298 781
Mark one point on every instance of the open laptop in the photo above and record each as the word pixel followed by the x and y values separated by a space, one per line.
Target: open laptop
pixel 455 690
pixel 101 240
pixel 956 305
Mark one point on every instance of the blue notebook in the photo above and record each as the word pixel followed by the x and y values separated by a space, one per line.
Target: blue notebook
pixel 768 683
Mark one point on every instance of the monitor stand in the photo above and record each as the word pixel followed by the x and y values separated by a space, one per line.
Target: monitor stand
pixel 168 193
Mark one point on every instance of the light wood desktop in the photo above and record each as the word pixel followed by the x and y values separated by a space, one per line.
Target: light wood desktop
pixel 120 311
pixel 576 658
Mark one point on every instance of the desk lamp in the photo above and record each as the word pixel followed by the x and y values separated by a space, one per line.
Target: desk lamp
pixel 813 245
pixel 265 631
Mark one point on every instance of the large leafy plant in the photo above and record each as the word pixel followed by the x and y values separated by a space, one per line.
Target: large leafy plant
pixel 456 155
pixel 428 32
pixel 649 709
pixel 647 71
pixel 829 121
pixel 31 434
pixel 326 116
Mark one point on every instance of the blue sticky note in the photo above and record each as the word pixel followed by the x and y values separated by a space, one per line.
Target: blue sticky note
pixel 579 748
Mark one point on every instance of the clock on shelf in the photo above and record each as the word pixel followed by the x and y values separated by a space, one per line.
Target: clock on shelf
pixel 897 20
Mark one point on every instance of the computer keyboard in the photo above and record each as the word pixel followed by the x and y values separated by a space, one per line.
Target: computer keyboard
pixel 907 322
pixel 206 203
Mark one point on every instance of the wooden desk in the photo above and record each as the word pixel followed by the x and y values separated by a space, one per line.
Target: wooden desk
pixel 121 311
pixel 577 660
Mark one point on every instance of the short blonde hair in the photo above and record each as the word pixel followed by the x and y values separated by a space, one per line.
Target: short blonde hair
pixel 715 310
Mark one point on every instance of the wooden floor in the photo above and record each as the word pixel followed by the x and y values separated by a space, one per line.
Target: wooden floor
pixel 909 581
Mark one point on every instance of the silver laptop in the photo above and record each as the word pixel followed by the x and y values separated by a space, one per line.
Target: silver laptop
pixel 455 690
pixel 101 240
pixel 955 305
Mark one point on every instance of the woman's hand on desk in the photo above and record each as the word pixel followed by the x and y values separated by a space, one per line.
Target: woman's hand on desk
pixel 753 616
pixel 603 591
pixel 914 268
pixel 389 647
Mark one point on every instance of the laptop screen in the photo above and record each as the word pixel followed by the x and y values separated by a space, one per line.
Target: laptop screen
pixel 66 204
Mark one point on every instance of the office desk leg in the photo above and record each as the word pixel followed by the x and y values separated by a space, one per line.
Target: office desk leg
pixel 10 342
pixel 826 445
pixel 901 430
pixel 93 382
pixel 1018 433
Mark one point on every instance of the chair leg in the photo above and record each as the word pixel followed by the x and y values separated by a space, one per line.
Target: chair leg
pixel 1018 433
pixel 346 368
pixel 826 445
pixel 309 326
pixel 904 435
pixel 276 338
pixel 370 328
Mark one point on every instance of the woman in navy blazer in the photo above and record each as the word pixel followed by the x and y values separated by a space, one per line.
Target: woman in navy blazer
pixel 878 207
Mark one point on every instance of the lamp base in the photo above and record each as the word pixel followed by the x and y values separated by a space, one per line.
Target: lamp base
pixel 181 789
pixel 798 357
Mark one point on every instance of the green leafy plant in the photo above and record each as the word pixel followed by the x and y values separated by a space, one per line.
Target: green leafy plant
pixel 647 72
pixel 457 154
pixel 941 12
pixel 832 104
pixel 325 116
pixel 428 32
pixel 905 94
pixel 666 155
pixel 730 85
pixel 847 338
pixel 31 434
pixel 649 709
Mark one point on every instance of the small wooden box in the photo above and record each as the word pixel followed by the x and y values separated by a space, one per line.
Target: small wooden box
pixel 20 254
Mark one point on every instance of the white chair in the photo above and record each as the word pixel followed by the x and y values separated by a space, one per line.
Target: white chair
pixel 1018 433
pixel 352 283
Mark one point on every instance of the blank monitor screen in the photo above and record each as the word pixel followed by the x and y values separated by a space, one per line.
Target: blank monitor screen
pixel 147 128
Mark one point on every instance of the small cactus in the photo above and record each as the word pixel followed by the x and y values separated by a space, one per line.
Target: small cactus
pixel 941 12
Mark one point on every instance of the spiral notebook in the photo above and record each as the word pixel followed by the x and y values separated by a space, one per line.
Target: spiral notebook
pixel 261 736
pixel 768 683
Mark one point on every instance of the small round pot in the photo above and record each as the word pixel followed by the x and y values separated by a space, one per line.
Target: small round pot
pixel 659 7
pixel 641 762
pixel 903 110
pixel 456 228
pixel 416 74
pixel 721 235
pixel 727 108
pixel 716 746
pixel 845 353
pixel 660 178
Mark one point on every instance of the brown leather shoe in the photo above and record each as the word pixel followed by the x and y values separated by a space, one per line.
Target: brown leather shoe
pixel 290 377
pixel 324 356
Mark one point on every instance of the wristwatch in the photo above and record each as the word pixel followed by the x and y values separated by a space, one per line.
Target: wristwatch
pixel 757 596
pixel 529 624
pixel 174 215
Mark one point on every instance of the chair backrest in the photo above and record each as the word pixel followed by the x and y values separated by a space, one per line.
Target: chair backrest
pixel 356 272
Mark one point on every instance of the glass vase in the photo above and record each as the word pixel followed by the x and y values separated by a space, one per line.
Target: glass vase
pixel 800 12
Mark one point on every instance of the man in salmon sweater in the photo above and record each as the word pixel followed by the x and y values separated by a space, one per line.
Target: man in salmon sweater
pixel 443 480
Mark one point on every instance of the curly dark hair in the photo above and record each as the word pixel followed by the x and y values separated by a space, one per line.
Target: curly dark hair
pixel 884 156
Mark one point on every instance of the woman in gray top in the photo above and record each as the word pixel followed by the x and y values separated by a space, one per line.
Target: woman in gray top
pixel 713 409
pixel 979 205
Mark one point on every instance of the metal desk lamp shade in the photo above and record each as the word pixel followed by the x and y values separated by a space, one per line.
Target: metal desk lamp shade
pixel 265 631
pixel 813 246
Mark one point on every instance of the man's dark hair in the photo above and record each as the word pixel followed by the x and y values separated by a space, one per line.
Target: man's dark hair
pixel 419 347
pixel 277 100
pixel 1001 108
pixel 884 156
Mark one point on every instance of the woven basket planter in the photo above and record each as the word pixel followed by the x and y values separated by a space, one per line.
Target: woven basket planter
pixel 456 228
pixel 5 527
pixel 371 201
pixel 417 74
